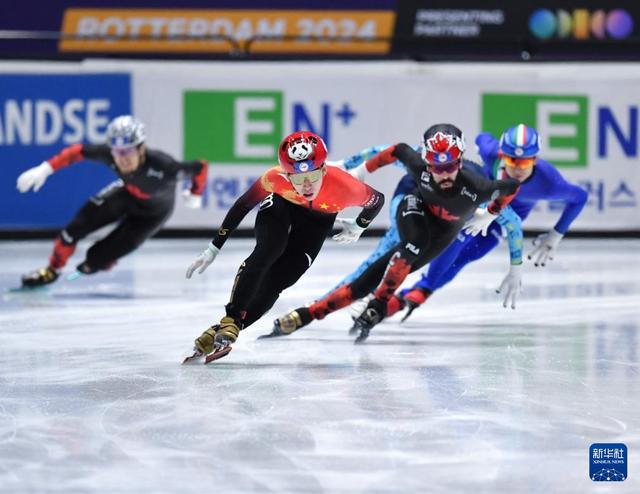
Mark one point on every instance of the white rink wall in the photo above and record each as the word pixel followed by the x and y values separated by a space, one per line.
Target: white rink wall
pixel 234 113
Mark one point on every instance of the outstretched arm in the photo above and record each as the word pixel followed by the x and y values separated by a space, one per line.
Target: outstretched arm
pixel 197 169
pixel 574 197
pixel 355 160
pixel 511 285
pixel 557 188
pixel 506 190
pixel 371 201
pixel 399 154
pixel 245 203
pixel 35 177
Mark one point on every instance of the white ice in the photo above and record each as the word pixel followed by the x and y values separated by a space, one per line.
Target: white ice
pixel 464 397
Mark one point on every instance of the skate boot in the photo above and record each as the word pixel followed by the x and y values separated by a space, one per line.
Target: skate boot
pixel 84 268
pixel 219 335
pixel 215 342
pixel 40 277
pixel 228 331
pixel 358 307
pixel 205 343
pixel 289 323
pixel 413 299
pixel 372 315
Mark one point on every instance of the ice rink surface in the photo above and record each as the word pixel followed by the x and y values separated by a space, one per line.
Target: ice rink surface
pixel 464 397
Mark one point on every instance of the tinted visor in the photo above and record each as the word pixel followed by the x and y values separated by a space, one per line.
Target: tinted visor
pixel 124 151
pixel 299 178
pixel 444 168
pixel 519 162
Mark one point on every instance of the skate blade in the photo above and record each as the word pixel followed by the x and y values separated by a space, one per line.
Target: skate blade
pixel 353 330
pixel 74 276
pixel 218 354
pixel 406 316
pixel 193 359
pixel 362 337
pixel 27 289
pixel 267 336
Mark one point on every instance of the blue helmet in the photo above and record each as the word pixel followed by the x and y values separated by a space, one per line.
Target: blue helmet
pixel 520 141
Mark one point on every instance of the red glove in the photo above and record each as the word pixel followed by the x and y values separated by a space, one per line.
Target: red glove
pixel 199 181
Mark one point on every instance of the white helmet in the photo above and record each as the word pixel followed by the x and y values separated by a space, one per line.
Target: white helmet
pixel 125 131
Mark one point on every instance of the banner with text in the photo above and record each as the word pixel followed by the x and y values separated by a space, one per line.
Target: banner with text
pixel 40 114
pixel 200 30
pixel 234 115
pixel 510 22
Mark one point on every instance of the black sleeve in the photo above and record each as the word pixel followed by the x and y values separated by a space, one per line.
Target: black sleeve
pixel 191 168
pixel 97 152
pixel 245 203
pixel 507 190
pixel 411 159
pixel 370 209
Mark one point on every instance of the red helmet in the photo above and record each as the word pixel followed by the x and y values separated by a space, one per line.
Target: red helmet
pixel 302 152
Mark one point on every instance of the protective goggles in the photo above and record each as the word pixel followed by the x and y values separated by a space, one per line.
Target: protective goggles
pixel 125 151
pixel 444 168
pixel 312 176
pixel 519 162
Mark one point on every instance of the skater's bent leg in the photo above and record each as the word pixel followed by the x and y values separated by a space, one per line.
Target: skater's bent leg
pixel 441 264
pixel 305 241
pixel 124 239
pixel 473 250
pixel 272 236
pixel 385 245
pixel 422 238
pixel 106 207
pixel 346 294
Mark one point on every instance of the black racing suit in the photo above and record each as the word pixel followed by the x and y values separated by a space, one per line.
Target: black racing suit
pixel 140 201
pixel 428 221
pixel 290 232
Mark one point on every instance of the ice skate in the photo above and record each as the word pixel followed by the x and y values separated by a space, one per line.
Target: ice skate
pixel 372 315
pixel 215 342
pixel 82 269
pixel 413 299
pixel 40 277
pixel 193 358
pixel 206 349
pixel 289 323
pixel 393 305
pixel 204 344
pixel 358 307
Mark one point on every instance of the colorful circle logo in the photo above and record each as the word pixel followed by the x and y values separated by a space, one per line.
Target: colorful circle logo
pixel 619 24
pixel 542 23
pixel 583 24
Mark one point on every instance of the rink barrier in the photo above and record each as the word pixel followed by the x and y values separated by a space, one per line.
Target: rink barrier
pixel 178 233
pixel 235 114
